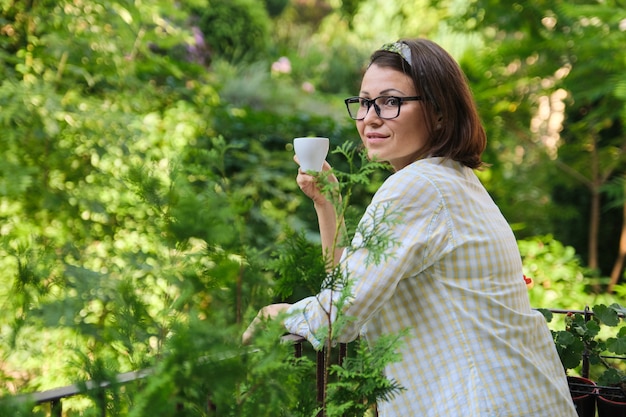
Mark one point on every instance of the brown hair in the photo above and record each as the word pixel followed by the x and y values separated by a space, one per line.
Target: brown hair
pixel 450 113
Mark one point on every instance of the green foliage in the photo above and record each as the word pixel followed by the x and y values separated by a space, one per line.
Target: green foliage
pixel 108 242
pixel 299 266
pixel 362 378
pixel 275 7
pixel 554 115
pixel 15 408
pixel 585 336
pixel 296 260
pixel 205 373
pixel 578 335
pixel 558 274
pixel 616 192
pixel 235 30
pixel 560 278
pixel 334 69
pixel 349 8
pixel 146 201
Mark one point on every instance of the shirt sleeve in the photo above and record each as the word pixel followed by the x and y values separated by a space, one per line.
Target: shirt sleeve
pixel 408 214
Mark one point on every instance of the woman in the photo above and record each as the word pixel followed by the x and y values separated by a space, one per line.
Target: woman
pixel 475 346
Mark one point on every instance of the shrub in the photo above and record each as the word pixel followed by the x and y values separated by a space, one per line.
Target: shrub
pixel 235 30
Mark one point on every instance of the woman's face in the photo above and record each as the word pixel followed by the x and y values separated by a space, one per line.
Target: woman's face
pixel 398 140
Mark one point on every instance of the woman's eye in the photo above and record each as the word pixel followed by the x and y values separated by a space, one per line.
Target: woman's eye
pixel 364 102
pixel 391 101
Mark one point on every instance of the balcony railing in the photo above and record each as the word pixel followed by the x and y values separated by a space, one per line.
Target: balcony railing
pixel 54 397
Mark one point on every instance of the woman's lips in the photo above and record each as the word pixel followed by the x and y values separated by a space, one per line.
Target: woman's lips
pixel 374 138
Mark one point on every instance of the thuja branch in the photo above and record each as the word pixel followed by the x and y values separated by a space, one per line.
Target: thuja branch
pixel 339 193
pixel 376 239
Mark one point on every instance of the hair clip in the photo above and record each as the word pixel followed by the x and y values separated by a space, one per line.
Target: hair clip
pixel 399 48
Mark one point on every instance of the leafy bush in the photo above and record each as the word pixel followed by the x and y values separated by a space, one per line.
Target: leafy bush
pixel 560 279
pixel 141 198
pixel 585 336
pixel 235 30
pixel 275 7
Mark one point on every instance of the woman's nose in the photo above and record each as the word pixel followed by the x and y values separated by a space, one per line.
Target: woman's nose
pixel 371 114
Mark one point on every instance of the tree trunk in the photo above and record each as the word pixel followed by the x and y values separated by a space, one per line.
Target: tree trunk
pixel 618 266
pixel 594 227
pixel 594 215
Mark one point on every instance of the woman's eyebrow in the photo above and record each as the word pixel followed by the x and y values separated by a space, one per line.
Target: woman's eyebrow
pixel 384 92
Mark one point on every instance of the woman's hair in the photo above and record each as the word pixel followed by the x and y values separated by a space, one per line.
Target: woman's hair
pixel 450 113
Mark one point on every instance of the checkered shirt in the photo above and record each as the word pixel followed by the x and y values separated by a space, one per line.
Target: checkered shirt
pixel 475 348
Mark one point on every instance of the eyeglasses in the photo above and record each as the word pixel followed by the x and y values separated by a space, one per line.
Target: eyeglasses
pixel 386 107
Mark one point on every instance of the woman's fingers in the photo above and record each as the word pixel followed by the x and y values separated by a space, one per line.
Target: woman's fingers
pixel 309 186
pixel 246 338
pixel 325 167
pixel 269 312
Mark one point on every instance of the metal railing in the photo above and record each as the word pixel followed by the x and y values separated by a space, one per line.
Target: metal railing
pixel 54 397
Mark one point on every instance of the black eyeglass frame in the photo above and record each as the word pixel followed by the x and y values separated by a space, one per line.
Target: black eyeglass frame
pixel 369 102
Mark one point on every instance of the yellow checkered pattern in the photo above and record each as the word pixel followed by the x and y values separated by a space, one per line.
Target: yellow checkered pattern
pixel 475 346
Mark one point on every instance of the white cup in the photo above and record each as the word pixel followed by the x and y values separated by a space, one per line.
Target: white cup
pixel 311 152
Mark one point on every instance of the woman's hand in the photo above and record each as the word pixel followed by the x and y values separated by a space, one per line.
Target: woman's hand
pixel 331 224
pixel 309 185
pixel 269 312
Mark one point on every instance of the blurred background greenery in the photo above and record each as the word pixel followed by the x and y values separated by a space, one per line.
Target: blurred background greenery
pixel 146 173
